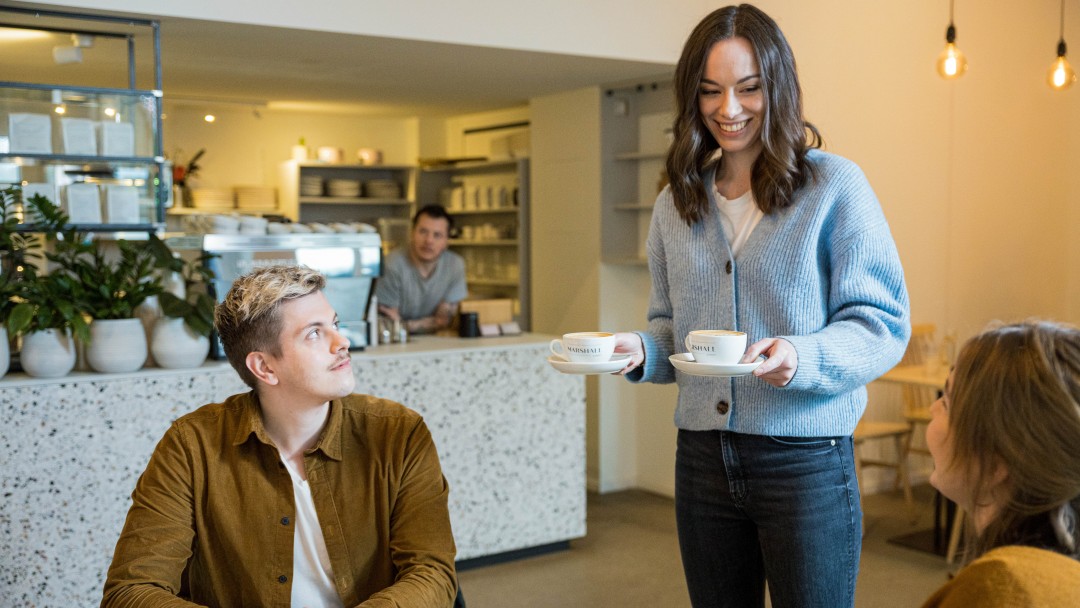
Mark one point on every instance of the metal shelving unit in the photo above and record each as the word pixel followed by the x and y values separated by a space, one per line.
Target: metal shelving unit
pixel 139 110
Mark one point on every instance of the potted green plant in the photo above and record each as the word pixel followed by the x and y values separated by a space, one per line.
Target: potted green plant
pixel 110 292
pixel 181 337
pixel 40 308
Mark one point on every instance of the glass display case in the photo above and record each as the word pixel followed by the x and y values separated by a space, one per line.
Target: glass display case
pixel 96 152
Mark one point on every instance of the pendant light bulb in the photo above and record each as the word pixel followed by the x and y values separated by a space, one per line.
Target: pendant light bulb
pixel 1061 75
pixel 951 63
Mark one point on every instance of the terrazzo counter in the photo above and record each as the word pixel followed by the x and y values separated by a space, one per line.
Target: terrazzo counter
pixel 509 429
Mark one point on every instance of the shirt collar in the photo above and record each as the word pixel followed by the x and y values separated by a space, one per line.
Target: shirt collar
pixel 251 423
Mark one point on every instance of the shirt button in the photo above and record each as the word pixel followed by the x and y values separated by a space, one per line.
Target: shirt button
pixel 722 408
pixel 284 521
pixel 727 267
pixel 282 579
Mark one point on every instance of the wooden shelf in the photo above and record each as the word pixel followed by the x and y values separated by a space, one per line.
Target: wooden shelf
pixel 500 210
pixel 509 164
pixel 490 243
pixel 351 200
pixel 491 282
pixel 314 164
pixel 626 261
pixel 641 155
pixel 633 207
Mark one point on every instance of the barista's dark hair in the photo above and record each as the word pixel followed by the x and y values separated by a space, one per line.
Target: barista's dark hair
pixel 786 137
pixel 434 212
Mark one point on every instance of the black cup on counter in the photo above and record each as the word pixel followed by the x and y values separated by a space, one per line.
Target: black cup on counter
pixel 469 325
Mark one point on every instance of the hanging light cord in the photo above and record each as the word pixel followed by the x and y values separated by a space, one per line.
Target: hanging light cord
pixel 1061 50
pixel 950 33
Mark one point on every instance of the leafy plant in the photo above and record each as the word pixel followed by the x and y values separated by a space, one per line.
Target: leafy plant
pixel 197 307
pixel 110 289
pixel 29 301
pixel 47 302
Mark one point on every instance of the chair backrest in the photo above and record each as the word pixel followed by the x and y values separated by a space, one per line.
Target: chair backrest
pixel 921 347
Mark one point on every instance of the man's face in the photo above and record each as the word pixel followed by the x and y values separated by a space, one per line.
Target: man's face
pixel 430 237
pixel 314 365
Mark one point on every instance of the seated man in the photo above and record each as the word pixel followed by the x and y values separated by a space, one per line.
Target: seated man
pixel 423 285
pixel 295 493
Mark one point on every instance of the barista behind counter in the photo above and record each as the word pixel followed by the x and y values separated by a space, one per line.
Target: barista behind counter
pixel 423 283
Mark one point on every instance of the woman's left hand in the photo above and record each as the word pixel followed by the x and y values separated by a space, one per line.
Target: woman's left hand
pixel 779 367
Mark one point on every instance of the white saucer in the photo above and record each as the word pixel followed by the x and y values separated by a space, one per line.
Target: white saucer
pixel 616 363
pixel 685 363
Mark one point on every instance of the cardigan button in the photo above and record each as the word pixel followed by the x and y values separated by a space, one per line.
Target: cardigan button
pixel 285 521
pixel 722 408
pixel 727 267
pixel 282 579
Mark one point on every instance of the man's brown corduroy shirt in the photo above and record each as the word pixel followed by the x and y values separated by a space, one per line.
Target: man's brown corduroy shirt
pixel 212 516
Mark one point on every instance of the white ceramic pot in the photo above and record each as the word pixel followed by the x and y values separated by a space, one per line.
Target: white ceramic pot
pixel 116 345
pixel 5 352
pixel 49 353
pixel 148 313
pixel 176 346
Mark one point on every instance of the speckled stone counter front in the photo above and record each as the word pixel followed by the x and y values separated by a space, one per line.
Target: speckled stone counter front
pixel 510 433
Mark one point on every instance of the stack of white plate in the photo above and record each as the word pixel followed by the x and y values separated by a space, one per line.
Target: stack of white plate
pixel 256 198
pixel 213 199
pixel 311 185
pixel 383 188
pixel 343 187
pixel 253 225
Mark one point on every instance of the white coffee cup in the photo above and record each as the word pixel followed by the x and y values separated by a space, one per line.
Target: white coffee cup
pixel 716 346
pixel 585 346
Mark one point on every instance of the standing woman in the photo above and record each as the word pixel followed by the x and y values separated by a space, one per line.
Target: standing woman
pixel 1005 439
pixel 761 232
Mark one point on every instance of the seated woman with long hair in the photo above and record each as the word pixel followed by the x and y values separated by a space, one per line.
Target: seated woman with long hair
pixel 1005 439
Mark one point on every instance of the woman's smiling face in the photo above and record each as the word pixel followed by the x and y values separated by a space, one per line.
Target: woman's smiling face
pixel 730 97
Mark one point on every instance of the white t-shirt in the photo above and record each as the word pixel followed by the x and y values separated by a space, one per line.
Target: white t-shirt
pixel 739 216
pixel 313 578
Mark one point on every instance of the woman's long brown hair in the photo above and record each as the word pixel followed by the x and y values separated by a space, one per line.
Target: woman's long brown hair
pixel 1015 403
pixel 782 168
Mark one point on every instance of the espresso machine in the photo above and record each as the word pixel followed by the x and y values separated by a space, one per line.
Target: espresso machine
pixel 351 263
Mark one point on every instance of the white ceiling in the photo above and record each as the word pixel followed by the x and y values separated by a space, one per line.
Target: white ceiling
pixel 366 75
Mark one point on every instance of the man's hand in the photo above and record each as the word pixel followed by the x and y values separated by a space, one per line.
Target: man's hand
pixel 389 312
pixel 779 368
pixel 444 315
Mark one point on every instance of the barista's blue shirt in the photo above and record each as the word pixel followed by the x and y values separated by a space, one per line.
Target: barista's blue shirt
pixel 415 297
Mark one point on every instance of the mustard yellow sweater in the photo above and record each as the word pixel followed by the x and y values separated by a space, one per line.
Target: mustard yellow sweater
pixel 1013 577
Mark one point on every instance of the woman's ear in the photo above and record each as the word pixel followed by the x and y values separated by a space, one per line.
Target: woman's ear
pixel 261 367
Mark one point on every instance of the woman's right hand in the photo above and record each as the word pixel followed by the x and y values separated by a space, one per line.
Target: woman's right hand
pixel 629 343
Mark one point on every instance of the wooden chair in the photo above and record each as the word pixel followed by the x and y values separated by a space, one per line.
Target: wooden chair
pixel 917 399
pixel 900 433
pixel 915 407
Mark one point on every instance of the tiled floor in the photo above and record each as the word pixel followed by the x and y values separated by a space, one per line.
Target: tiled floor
pixel 630 558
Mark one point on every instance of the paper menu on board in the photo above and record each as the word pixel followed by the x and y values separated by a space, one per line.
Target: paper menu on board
pixel 84 204
pixel 121 205
pixel 30 133
pixel 117 139
pixel 80 136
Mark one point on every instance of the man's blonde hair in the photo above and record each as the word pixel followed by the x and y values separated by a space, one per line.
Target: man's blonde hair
pixel 249 319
